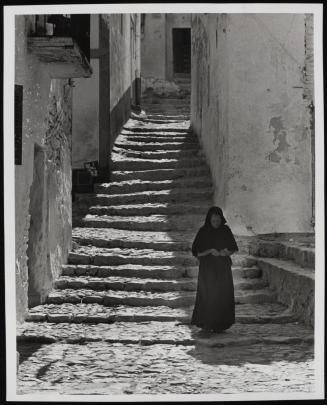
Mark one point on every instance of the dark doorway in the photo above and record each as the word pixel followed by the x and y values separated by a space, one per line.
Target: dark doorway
pixel 182 50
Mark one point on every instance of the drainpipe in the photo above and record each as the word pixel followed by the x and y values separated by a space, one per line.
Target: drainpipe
pixel 138 60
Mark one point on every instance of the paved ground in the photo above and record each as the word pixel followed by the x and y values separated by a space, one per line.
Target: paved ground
pixel 115 368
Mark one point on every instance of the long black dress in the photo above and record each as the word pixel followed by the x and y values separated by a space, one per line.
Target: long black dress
pixel 214 305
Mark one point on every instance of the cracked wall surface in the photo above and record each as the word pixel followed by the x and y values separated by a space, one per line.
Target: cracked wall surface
pixel 46 131
pixel 250 112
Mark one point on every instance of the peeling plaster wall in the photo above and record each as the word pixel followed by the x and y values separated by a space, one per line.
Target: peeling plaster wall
pixel 249 111
pixel 47 129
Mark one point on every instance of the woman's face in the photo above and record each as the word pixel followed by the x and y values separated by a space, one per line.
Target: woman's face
pixel 215 220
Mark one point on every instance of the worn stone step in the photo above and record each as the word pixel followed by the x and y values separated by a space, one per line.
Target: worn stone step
pixel 125 283
pixel 169 101
pixel 118 238
pixel 160 174
pixel 156 137
pixel 295 285
pixel 130 186
pixel 148 333
pixel 302 255
pixel 97 313
pixel 166 109
pixel 155 146
pixel 169 130
pixel 164 117
pixel 149 209
pixel 146 257
pixel 165 154
pixel 164 128
pixel 127 270
pixel 149 298
pixel 138 270
pixel 162 196
pixel 121 163
pixel 144 284
pixel 146 119
pixel 160 223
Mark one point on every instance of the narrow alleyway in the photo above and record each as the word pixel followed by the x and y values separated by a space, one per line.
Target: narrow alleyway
pixel 117 321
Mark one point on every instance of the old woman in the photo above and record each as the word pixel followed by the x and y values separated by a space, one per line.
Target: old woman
pixel 213 245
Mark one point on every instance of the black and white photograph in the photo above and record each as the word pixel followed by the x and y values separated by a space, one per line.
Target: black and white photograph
pixel 164 184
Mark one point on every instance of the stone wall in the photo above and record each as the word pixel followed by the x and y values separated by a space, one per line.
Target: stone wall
pixel 250 114
pixel 43 181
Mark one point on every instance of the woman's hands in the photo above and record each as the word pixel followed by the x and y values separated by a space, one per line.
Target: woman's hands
pixel 215 252
pixel 205 253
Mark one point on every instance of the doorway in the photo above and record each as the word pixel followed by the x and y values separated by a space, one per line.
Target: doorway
pixel 182 50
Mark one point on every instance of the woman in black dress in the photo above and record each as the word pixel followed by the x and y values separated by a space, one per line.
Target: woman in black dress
pixel 214 308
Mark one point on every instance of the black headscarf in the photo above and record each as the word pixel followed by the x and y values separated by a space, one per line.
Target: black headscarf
pixel 209 237
pixel 214 211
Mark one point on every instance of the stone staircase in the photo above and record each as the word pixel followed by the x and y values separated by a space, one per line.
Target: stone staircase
pixel 130 277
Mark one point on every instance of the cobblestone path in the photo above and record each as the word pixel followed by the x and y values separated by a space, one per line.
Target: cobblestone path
pixel 117 321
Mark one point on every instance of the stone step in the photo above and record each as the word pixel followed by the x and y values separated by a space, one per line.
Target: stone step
pixel 139 270
pixel 170 104
pixel 181 128
pixel 162 196
pixel 164 117
pixel 302 255
pixel 148 333
pixel 118 238
pixel 164 128
pixel 158 121
pixel 160 223
pixel 295 285
pixel 155 137
pixel 146 257
pixel 118 283
pixel 167 111
pixel 171 299
pixel 97 313
pixel 121 163
pixel 130 186
pixel 150 209
pixel 156 146
pixel 168 154
pixel 174 103
pixel 160 174
pixel 166 101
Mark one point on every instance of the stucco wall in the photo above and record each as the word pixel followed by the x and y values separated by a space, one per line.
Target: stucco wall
pixel 46 130
pixel 122 71
pixel 249 112
pixel 86 108
pixel 157 50
pixel 153 45
pixel 102 103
